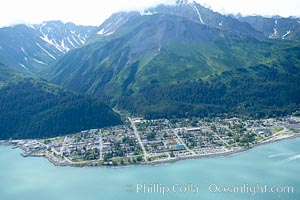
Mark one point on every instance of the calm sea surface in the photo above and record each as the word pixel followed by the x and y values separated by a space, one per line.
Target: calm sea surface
pixel 248 175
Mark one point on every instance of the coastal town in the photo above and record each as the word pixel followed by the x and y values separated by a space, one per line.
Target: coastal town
pixel 141 141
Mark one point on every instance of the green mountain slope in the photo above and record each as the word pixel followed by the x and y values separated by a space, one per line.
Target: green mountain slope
pixel 7 74
pixel 165 65
pixel 154 42
pixel 33 108
pixel 258 91
pixel 264 81
pixel 276 27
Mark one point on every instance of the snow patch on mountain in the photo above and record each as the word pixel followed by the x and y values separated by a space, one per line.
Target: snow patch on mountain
pixel 71 38
pixel 23 66
pixel 198 13
pixel 106 34
pixel 75 40
pixel 274 34
pixel 23 50
pixel 110 27
pixel 49 54
pixel 52 42
pixel 101 32
pixel 64 46
pixel 71 42
pixel 30 26
pixel 38 45
pixel 286 34
pixel 142 13
pixel 82 39
pixel 40 62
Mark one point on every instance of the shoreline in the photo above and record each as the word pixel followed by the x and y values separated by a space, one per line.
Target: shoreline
pixel 153 163
pixel 221 154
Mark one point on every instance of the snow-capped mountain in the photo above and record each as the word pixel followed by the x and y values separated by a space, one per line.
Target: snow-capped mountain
pixel 254 26
pixel 183 8
pixel 29 48
pixel 63 37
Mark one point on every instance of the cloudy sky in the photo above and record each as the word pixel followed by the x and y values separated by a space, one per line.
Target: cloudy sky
pixel 93 12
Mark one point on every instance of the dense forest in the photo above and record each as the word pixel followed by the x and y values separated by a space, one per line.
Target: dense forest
pixel 259 91
pixel 32 108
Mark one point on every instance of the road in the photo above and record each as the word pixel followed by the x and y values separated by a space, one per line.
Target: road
pixel 221 139
pixel 100 146
pixel 63 146
pixel 137 135
pixel 180 140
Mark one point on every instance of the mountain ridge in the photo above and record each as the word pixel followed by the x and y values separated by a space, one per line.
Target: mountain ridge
pixel 30 48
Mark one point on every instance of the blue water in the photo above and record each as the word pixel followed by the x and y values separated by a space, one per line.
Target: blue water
pixel 276 164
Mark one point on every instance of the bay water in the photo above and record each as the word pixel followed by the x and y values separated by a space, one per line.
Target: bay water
pixel 267 172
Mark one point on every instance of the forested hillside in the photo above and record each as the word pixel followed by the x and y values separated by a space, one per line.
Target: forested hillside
pixel 33 108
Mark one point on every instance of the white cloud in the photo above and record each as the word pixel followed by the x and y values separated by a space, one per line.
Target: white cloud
pixel 92 12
